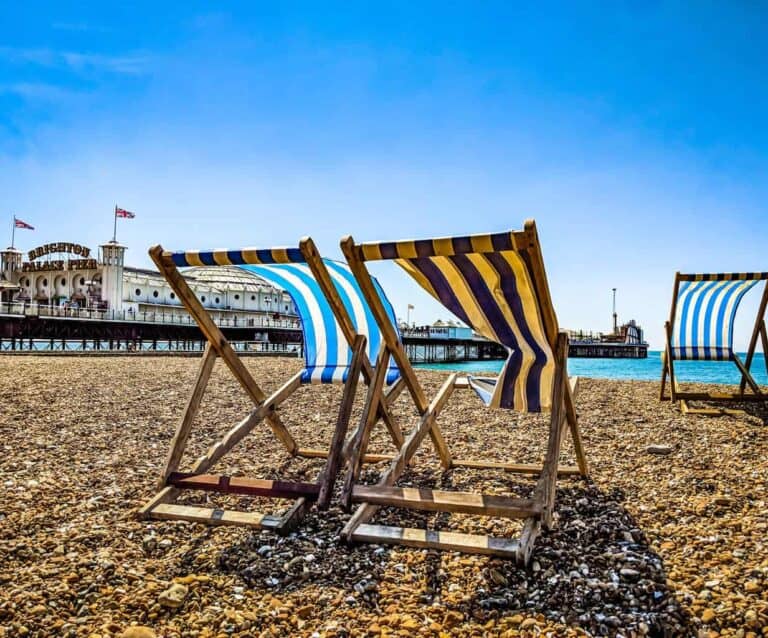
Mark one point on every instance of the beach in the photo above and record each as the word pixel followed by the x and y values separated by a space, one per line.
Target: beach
pixel 668 539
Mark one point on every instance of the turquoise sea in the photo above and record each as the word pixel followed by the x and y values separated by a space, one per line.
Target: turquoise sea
pixel 641 369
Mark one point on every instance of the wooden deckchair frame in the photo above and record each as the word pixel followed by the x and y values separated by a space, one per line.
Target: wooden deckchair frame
pixel 537 510
pixel 171 481
pixel 678 395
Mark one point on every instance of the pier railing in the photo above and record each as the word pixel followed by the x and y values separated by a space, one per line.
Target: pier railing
pixel 18 308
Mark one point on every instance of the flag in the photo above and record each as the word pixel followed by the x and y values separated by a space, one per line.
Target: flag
pixel 120 212
pixel 17 223
pixel 410 306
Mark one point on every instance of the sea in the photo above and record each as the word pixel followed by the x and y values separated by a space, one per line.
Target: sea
pixel 639 369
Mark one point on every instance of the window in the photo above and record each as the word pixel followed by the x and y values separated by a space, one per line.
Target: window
pixel 202 298
pixel 253 297
pixel 45 282
pixel 63 281
pixel 216 300
pixel 27 284
pixel 82 281
pixel 237 297
pixel 138 292
pixel 173 295
pixel 155 294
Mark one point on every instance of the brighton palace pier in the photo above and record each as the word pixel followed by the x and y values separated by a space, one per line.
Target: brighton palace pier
pixel 64 295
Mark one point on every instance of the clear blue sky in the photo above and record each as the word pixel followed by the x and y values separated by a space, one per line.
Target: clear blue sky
pixel 636 133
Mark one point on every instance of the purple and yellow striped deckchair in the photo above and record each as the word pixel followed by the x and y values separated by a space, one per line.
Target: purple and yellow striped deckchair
pixel 700 328
pixel 340 339
pixel 497 285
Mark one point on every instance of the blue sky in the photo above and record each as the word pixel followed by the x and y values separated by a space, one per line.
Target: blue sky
pixel 635 134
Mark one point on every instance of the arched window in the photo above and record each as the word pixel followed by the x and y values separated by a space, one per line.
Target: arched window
pixel 82 281
pixel 216 300
pixel 138 292
pixel 202 298
pixel 155 294
pixel 45 282
pixel 173 295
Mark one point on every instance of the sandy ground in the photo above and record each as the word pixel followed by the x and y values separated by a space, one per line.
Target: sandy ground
pixel 659 545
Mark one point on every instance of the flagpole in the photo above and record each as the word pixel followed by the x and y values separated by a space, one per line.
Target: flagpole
pixel 13 232
pixel 114 230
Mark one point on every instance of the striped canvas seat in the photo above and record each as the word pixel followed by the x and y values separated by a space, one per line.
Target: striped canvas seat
pixel 705 310
pixel 327 354
pixel 487 284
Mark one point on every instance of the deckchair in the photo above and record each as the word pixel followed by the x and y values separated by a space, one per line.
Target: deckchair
pixel 340 336
pixel 700 328
pixel 497 285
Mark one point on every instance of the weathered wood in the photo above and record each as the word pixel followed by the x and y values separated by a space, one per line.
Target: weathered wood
pixel 427 539
pixel 185 424
pixel 314 453
pixel 573 425
pixel 531 529
pixel 515 468
pixel 359 444
pixel 213 516
pixel 243 485
pixel 165 495
pixel 331 469
pixel 545 489
pixel 445 501
pixel 214 336
pixel 292 517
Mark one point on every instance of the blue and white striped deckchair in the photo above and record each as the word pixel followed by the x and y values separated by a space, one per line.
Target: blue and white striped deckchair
pixel 700 328
pixel 497 285
pixel 341 338
pixel 327 351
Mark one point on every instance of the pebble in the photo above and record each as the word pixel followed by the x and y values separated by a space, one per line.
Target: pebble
pixel 138 631
pixel 659 449
pixel 174 596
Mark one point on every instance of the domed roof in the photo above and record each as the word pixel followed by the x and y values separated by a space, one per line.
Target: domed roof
pixel 229 278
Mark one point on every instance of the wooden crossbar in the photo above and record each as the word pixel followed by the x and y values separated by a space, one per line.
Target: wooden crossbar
pixel 442 540
pixel 444 501
pixel 242 485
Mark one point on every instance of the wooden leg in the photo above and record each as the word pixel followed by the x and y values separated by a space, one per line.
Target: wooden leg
pixel 764 341
pixel 573 424
pixel 185 425
pixel 331 469
pixel 359 443
pixel 746 376
pixel 545 489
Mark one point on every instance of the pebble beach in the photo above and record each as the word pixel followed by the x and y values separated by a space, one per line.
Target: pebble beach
pixel 668 538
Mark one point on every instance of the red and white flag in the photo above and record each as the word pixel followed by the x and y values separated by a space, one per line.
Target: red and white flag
pixel 121 212
pixel 17 223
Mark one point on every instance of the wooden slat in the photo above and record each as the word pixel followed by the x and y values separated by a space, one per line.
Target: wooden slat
pixel 211 516
pixel 165 495
pixel 573 425
pixel 314 453
pixel 444 501
pixel 531 529
pixel 185 425
pixel 515 468
pixel 243 485
pixel 718 396
pixel 427 539
pixel 759 322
